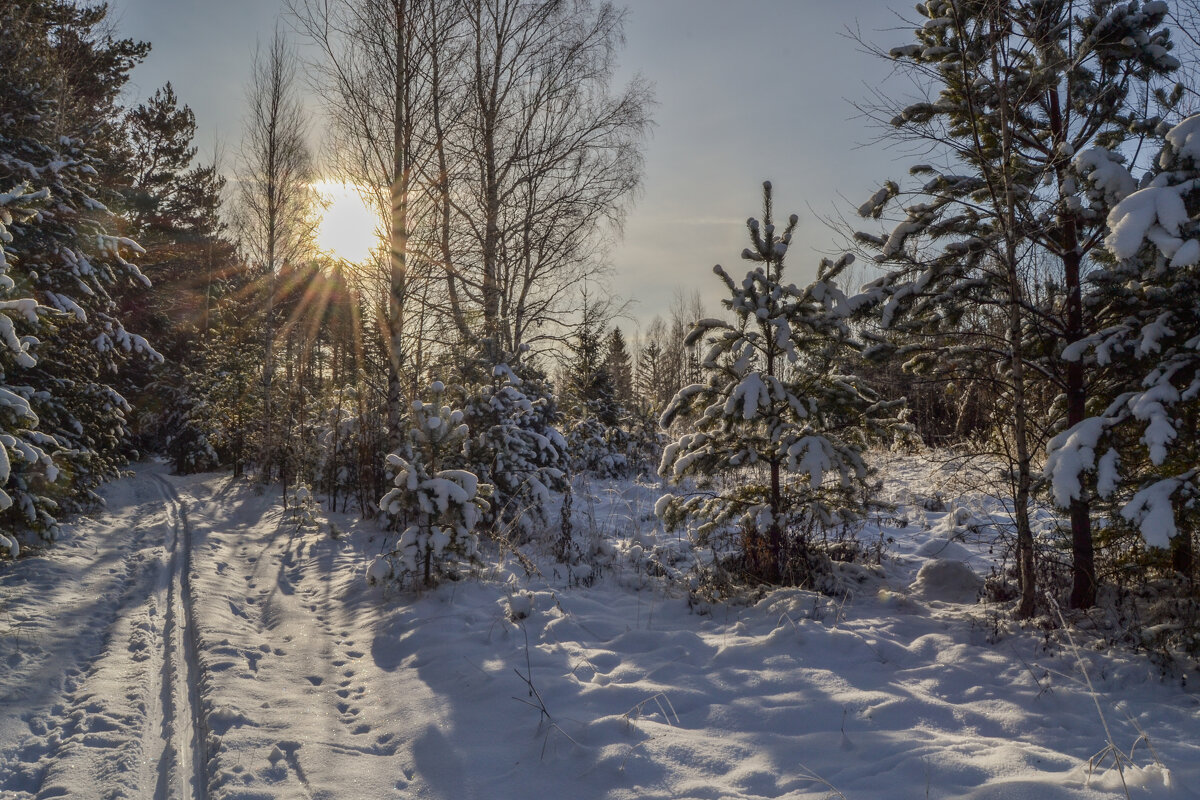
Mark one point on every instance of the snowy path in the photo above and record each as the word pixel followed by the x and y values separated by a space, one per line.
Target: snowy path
pixel 106 680
pixel 194 642
pixel 288 680
pixel 182 766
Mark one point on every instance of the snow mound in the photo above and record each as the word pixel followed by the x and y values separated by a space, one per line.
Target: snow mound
pixel 948 581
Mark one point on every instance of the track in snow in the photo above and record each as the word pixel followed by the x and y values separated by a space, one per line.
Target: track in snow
pixel 182 763
pixel 121 717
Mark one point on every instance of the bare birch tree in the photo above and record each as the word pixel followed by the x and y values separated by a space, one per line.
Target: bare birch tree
pixel 276 200
pixel 550 156
pixel 378 72
pixel 518 159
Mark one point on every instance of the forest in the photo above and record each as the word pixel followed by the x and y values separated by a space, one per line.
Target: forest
pixel 1015 317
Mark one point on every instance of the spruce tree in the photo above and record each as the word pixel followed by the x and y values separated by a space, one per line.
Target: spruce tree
pixel 619 367
pixel 649 374
pixel 514 444
pixel 25 466
pixel 595 440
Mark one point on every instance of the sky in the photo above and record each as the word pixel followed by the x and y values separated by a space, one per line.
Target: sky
pixel 746 91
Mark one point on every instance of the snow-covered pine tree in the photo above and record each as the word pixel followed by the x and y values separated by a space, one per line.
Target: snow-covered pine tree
pixel 776 416
pixel 514 445
pixel 57 113
pixel 1022 87
pixel 24 464
pixel 1140 450
pixel 438 506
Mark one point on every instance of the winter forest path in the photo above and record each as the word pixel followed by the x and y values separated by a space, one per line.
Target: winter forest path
pixel 108 683
pixel 187 631
pixel 291 687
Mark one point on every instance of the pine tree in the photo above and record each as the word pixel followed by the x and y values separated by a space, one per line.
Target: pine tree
pixel 775 409
pixel 1140 450
pixel 438 505
pixel 174 209
pixel 1022 87
pixel 159 150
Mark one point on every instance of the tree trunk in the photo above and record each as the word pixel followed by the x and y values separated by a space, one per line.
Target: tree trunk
pixel 1083 559
pixel 398 233
pixel 1025 560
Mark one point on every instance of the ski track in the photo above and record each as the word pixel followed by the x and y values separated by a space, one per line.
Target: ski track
pixel 124 722
pixel 182 770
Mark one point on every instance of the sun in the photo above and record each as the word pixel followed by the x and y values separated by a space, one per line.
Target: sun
pixel 347 228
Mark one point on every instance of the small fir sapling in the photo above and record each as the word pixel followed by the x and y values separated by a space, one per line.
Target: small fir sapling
pixel 437 506
pixel 776 414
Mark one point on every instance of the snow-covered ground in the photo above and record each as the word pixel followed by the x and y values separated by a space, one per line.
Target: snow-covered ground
pixel 194 641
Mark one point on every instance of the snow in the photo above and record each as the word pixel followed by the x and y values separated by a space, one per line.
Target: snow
pixel 1108 177
pixel 1156 212
pixel 947 580
pixel 194 620
pixel 1151 406
pixel 751 394
pixel 1069 455
pixel 1185 139
pixel 1151 510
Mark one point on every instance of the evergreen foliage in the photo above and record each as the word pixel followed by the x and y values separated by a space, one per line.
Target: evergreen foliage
pixel 1139 450
pixel 986 265
pixel 619 366
pixel 776 410
pixel 57 123
pixel 514 445
pixel 437 504
pixel 595 440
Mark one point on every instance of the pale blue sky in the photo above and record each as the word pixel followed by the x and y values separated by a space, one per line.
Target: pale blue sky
pixel 747 91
